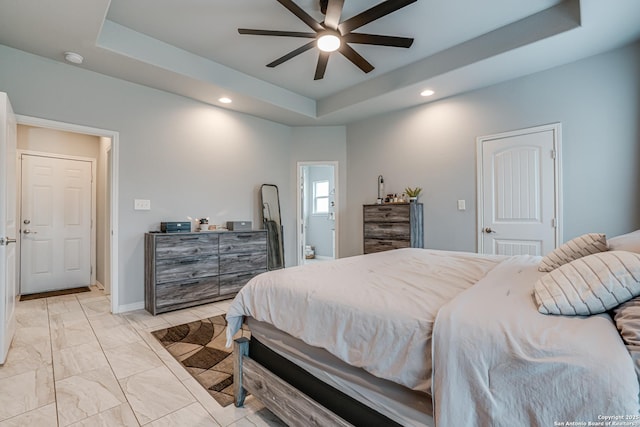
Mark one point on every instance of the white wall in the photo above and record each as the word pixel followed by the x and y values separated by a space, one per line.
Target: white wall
pixel 57 142
pixel 188 158
pixel 597 100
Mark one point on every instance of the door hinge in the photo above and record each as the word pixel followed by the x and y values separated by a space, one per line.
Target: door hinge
pixel 553 223
pixel 553 154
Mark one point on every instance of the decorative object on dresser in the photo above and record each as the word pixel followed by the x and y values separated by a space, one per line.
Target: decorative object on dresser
pixel 187 269
pixel 413 193
pixel 392 226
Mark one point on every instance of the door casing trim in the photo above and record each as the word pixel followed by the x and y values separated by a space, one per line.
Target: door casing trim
pixel 299 166
pixel 115 152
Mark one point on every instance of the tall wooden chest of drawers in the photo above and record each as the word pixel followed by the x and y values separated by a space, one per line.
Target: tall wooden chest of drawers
pixel 187 269
pixel 392 226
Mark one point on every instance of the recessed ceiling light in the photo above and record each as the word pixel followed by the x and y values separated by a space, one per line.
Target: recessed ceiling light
pixel 225 100
pixel 328 42
pixel 427 92
pixel 74 58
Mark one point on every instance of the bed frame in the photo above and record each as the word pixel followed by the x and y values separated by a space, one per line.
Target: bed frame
pixel 292 394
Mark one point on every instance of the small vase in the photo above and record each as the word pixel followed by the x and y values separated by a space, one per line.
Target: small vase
pixel 413 200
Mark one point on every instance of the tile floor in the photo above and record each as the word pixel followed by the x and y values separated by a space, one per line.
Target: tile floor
pixel 73 363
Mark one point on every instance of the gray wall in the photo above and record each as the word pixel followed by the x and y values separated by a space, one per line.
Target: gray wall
pixel 188 158
pixel 433 146
pixel 191 159
pixel 323 144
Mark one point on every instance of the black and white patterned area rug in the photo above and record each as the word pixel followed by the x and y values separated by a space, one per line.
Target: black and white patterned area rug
pixel 199 346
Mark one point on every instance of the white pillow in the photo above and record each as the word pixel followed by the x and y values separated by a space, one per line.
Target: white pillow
pixel 626 242
pixel 584 245
pixel 590 285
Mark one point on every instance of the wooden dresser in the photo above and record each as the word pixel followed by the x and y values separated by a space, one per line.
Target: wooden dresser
pixel 392 226
pixel 187 269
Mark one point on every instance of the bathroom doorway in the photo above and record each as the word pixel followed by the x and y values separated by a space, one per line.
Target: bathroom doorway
pixel 317 219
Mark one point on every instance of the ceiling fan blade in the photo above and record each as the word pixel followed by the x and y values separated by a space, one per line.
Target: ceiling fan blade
pixel 301 14
pixel 323 59
pixel 372 14
pixel 292 54
pixel 332 17
pixel 378 40
pixel 356 58
pixel 276 33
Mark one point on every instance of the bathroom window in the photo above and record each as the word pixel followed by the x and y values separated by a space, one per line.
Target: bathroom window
pixel 320 197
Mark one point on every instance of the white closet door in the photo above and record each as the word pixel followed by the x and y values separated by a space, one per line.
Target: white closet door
pixel 56 224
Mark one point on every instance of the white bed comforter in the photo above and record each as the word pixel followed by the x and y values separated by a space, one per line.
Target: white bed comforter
pixel 374 311
pixel 499 362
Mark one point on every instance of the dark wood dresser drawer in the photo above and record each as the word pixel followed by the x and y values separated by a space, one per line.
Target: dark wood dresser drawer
pixel 243 242
pixel 377 245
pixel 384 231
pixel 232 283
pixel 174 269
pixel 178 294
pixel 187 269
pixel 382 213
pixel 175 245
pixel 240 262
pixel 392 226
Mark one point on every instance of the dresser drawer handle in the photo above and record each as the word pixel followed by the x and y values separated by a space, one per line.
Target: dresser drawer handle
pixel 384 243
pixel 385 209
pixel 195 282
pixel 243 236
pixel 188 261
pixel 189 238
pixel 385 225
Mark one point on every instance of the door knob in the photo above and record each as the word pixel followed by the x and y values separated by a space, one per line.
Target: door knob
pixel 27 221
pixel 488 230
pixel 29 232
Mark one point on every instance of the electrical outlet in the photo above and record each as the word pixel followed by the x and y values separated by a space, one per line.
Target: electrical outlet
pixel 461 205
pixel 141 205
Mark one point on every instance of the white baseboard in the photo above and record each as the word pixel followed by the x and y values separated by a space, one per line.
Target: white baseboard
pixel 131 307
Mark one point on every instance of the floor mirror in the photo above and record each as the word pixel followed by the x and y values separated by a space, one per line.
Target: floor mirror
pixel 271 220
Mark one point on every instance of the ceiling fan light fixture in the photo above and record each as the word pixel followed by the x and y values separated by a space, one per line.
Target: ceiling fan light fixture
pixel 427 92
pixel 328 42
pixel 225 100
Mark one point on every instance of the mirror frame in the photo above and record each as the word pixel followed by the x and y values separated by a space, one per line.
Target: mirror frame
pixel 272 262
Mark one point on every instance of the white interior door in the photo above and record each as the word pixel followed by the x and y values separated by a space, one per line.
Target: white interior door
pixel 56 224
pixel 518 186
pixel 8 279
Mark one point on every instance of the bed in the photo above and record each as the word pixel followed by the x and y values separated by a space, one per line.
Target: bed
pixel 424 337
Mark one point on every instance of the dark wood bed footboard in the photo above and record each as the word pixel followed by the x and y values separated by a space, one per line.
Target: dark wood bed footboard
pixel 292 394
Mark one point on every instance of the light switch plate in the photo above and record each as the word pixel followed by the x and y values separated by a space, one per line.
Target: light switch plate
pixel 461 205
pixel 142 205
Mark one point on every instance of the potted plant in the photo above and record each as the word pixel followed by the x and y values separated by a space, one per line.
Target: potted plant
pixel 413 193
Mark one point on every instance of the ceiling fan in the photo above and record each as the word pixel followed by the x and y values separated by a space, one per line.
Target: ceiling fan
pixel 331 34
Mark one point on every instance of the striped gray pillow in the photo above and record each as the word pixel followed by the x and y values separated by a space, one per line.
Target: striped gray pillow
pixel 584 245
pixel 590 285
